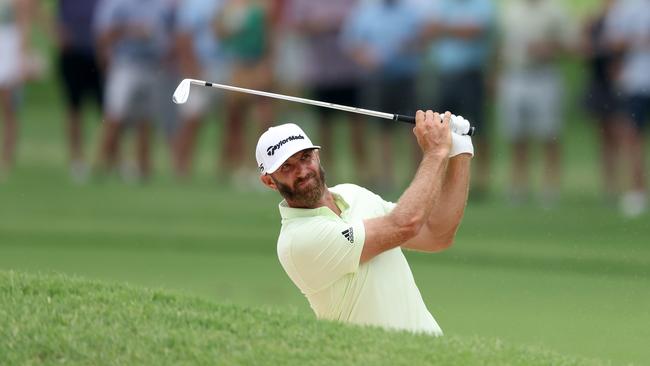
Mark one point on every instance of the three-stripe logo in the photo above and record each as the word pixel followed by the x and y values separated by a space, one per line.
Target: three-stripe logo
pixel 349 234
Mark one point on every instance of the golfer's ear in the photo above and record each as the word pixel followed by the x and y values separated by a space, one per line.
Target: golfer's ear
pixel 267 181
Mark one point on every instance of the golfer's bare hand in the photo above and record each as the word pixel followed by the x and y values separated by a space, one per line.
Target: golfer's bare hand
pixel 433 133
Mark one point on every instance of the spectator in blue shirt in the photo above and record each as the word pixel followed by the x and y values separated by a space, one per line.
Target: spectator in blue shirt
pixel 459 32
pixel 200 56
pixel 134 39
pixel 382 38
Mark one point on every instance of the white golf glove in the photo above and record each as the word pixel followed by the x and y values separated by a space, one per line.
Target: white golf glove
pixel 459 125
pixel 460 143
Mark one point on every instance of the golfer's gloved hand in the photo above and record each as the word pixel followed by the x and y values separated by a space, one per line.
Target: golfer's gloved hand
pixel 459 125
pixel 460 143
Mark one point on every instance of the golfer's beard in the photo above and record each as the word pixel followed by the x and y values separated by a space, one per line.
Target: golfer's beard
pixel 307 196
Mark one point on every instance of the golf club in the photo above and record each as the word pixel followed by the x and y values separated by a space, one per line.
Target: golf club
pixel 182 93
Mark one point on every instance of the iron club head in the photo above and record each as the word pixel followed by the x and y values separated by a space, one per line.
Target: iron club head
pixel 182 92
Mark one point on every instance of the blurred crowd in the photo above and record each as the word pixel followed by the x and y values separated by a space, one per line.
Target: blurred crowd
pixel 390 55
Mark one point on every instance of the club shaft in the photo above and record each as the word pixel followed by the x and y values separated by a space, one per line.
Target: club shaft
pixel 366 112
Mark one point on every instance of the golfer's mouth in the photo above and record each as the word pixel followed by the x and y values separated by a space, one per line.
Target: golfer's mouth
pixel 306 182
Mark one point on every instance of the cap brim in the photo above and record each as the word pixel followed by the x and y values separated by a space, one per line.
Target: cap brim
pixel 284 158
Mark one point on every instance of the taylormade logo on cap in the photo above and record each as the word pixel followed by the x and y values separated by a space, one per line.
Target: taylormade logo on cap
pixel 278 143
pixel 271 150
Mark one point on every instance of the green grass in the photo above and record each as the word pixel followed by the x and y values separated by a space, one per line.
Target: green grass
pixel 565 280
pixel 50 319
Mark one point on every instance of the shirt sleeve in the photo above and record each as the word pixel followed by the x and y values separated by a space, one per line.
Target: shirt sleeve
pixel 387 206
pixel 323 255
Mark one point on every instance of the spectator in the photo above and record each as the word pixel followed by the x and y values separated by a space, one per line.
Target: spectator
pixel 331 74
pixel 201 57
pixel 133 42
pixel 535 35
pixel 389 57
pixel 168 117
pixel 15 68
pixel 80 73
pixel 290 56
pixel 460 36
pixel 629 32
pixel 244 27
pixel 601 99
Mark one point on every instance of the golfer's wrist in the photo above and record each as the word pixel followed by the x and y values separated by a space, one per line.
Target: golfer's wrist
pixel 462 157
pixel 461 145
pixel 436 155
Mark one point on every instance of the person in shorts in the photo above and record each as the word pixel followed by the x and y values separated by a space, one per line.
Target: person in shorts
pixel 134 38
pixel 535 33
pixel 459 37
pixel 628 32
pixel 245 31
pixel 388 59
pixel 15 23
pixel 331 75
pixel 80 73
pixel 602 99
pixel 201 57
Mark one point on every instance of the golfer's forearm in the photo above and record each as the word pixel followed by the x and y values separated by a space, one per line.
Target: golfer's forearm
pixel 447 211
pixel 414 206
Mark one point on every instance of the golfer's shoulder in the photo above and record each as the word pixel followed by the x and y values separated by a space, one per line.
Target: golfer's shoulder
pixel 349 190
pixel 308 228
pixel 310 232
pixel 356 195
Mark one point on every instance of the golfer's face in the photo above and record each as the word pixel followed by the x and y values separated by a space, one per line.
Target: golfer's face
pixel 301 179
pixel 301 170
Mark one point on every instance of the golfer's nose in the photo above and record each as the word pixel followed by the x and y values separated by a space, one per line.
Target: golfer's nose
pixel 302 169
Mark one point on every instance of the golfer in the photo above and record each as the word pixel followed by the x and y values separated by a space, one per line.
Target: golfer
pixel 342 246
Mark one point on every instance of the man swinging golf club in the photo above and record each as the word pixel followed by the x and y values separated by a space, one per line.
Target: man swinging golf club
pixel 342 246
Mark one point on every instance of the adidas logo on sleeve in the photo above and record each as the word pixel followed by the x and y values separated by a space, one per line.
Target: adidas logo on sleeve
pixel 349 235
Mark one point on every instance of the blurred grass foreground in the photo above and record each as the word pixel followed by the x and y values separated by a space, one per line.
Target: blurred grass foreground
pixel 58 319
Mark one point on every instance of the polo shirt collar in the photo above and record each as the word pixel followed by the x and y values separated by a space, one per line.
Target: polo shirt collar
pixel 290 212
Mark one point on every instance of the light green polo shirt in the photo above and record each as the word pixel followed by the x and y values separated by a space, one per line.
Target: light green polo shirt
pixel 320 252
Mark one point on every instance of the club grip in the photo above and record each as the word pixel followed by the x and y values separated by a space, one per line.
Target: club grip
pixel 403 118
pixel 411 120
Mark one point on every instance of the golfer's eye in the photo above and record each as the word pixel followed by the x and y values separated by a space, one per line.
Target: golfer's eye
pixel 285 168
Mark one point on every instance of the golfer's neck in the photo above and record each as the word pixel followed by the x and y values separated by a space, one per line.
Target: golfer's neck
pixel 327 200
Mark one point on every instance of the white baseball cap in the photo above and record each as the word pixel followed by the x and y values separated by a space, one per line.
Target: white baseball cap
pixel 277 144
